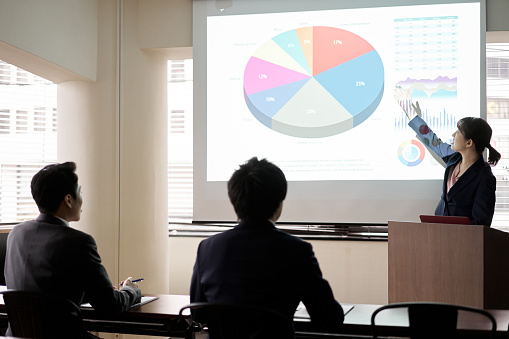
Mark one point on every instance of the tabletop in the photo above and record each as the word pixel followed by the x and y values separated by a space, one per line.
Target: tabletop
pixel 161 317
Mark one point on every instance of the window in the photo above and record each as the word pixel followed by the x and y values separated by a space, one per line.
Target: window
pixel 180 140
pixel 497 92
pixel 496 67
pixel 28 139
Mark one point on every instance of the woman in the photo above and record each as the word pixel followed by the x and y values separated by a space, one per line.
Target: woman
pixel 469 185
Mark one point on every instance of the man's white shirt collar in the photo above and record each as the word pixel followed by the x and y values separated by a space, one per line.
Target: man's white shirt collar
pixel 65 221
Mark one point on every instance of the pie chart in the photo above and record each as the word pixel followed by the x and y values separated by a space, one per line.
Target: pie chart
pixel 313 82
pixel 411 153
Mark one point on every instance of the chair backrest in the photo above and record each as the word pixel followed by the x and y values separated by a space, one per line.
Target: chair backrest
pixel 240 321
pixel 38 315
pixel 3 250
pixel 433 320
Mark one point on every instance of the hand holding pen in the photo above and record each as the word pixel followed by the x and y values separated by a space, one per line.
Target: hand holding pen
pixel 130 282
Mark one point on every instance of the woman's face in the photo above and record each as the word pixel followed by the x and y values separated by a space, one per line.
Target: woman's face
pixel 459 142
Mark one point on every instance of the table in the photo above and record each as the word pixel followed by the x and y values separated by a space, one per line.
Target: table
pixel 160 318
pixel 156 318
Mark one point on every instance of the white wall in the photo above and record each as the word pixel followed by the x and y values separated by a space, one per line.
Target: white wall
pixel 88 134
pixel 143 166
pixel 27 25
pixel 165 24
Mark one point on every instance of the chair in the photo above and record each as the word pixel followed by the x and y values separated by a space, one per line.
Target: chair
pixel 434 320
pixel 3 249
pixel 38 315
pixel 237 321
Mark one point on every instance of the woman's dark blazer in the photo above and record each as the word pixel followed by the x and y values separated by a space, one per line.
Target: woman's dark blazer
pixel 473 195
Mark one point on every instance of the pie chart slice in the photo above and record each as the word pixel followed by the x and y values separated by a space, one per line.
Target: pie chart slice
pixel 305 36
pixel 356 84
pixel 321 117
pixel 289 42
pixel 333 46
pixel 265 104
pixel 261 75
pixel 345 89
pixel 273 53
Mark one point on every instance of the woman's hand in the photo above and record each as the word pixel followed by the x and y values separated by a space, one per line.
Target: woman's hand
pixel 417 109
pixel 404 99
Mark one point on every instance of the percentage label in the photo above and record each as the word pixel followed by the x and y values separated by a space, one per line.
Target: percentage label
pixel 262 76
pixel 291 45
pixel 270 99
pixel 311 111
pixel 307 42
pixel 360 83
pixel 337 42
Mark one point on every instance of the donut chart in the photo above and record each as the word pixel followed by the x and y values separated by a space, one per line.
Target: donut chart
pixel 314 82
pixel 411 153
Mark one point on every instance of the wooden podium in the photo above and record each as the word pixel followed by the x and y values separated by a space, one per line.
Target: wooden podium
pixel 457 264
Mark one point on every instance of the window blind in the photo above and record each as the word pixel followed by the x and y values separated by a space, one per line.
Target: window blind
pixel 28 138
pixel 497 92
pixel 180 140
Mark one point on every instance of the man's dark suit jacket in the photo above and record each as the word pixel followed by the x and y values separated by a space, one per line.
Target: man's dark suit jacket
pixel 46 255
pixel 256 263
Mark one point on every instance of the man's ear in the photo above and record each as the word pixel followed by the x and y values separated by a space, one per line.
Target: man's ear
pixel 68 200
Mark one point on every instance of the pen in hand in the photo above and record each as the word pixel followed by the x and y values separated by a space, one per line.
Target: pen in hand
pixel 135 280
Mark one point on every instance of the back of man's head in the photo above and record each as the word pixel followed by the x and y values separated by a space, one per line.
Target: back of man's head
pixel 51 184
pixel 257 189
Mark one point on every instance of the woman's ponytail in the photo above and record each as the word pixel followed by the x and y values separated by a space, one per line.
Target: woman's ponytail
pixel 493 156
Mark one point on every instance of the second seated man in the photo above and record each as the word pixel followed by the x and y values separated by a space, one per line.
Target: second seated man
pixel 256 263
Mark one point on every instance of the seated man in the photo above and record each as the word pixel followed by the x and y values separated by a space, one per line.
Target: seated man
pixel 255 262
pixel 47 255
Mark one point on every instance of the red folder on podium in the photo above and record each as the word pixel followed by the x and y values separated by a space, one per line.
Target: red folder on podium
pixel 442 219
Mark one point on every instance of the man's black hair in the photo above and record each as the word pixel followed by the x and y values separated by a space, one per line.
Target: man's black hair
pixel 52 183
pixel 257 189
